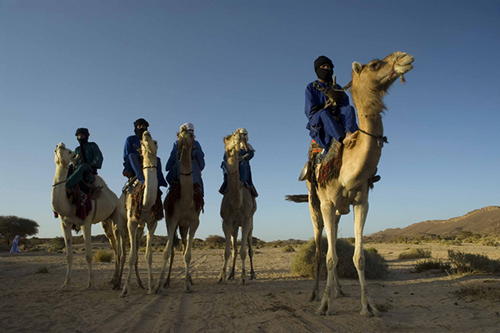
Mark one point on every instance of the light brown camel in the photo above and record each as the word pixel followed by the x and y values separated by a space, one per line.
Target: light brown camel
pixel 104 210
pixel 145 216
pixel 327 203
pixel 181 212
pixel 237 210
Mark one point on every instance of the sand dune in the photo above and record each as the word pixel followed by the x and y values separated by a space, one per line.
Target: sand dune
pixel 276 302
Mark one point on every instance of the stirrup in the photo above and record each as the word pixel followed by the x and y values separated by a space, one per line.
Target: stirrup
pixel 305 172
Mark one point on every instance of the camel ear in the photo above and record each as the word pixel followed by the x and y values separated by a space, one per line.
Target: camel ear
pixel 357 67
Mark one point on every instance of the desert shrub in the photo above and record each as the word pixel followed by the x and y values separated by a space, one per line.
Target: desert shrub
pixel 103 256
pixel 473 293
pixel 42 270
pixel 473 263
pixel 414 254
pixel 371 249
pixel 215 241
pixel 56 244
pixel 429 264
pixel 288 248
pixel 304 265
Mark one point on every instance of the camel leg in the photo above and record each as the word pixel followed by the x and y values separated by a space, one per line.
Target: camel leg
pixel 140 232
pixel 226 227
pixel 188 282
pixel 317 221
pixel 245 230
pixel 132 227
pixel 86 231
pixel 234 238
pixel 326 307
pixel 68 240
pixel 250 251
pixel 149 254
pixel 107 226
pixel 368 307
pixel 167 253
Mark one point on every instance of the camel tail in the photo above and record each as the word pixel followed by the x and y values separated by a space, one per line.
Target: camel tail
pixel 297 198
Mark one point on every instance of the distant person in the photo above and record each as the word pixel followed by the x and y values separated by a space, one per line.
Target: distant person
pixel 197 162
pixel 88 160
pixel 246 154
pixel 15 245
pixel 132 159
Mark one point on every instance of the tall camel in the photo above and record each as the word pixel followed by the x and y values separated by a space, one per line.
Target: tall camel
pixel 328 202
pixel 182 212
pixel 237 210
pixel 138 217
pixel 104 210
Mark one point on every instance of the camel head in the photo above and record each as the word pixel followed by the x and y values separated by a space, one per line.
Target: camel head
pixel 232 144
pixel 63 156
pixel 185 138
pixel 149 148
pixel 370 82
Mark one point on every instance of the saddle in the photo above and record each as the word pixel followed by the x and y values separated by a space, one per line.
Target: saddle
pixel 174 194
pixel 327 166
pixel 137 196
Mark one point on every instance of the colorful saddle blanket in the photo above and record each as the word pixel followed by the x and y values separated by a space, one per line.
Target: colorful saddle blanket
pixel 137 196
pixel 82 201
pixel 174 194
pixel 330 163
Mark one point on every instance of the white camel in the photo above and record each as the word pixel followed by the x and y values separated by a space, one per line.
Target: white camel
pixel 139 217
pixel 237 210
pixel 104 210
pixel 185 213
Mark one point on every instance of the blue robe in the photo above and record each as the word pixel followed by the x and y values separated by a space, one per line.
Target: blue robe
pixel 132 161
pixel 321 124
pixel 197 164
pixel 244 168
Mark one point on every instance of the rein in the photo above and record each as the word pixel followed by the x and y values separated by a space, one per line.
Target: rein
pixel 380 138
pixel 149 167
pixel 62 182
pixel 186 174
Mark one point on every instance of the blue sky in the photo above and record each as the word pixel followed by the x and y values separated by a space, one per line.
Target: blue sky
pixel 228 64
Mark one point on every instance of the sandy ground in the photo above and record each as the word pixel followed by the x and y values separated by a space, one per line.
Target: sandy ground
pixel 276 302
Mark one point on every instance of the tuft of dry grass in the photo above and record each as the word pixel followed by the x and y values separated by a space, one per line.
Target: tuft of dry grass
pixel 304 262
pixel 414 254
pixel 430 264
pixel 473 263
pixel 288 248
pixel 103 256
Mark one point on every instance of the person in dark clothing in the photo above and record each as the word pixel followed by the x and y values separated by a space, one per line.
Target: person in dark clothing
pixel 88 159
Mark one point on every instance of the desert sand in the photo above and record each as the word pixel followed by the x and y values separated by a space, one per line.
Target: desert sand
pixel 276 302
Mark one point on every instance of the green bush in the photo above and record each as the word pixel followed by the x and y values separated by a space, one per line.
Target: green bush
pixel 304 265
pixel 414 254
pixel 288 248
pixel 429 264
pixel 473 263
pixel 103 256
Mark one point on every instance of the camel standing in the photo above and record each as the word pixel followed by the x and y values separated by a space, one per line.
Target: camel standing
pixel 104 210
pixel 184 213
pixel 237 210
pixel 327 203
pixel 146 217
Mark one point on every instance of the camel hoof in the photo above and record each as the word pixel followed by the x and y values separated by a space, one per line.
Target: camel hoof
pixel 253 276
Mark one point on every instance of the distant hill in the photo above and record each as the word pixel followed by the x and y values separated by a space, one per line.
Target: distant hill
pixel 484 221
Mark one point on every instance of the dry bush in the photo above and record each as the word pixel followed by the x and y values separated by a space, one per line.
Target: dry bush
pixel 430 264
pixel 56 245
pixel 303 263
pixel 475 292
pixel 288 248
pixel 414 254
pixel 473 263
pixel 103 256
pixel 215 241
pixel 42 270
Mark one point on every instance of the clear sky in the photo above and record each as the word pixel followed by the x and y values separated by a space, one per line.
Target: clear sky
pixel 228 64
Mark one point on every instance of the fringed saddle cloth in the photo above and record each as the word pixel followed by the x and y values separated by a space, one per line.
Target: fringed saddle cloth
pixel 329 164
pixel 137 196
pixel 174 194
pixel 82 202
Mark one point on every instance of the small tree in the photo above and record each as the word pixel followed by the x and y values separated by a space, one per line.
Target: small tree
pixel 10 226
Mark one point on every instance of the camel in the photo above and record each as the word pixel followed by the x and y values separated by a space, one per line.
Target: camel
pixel 327 203
pixel 104 210
pixel 237 210
pixel 146 216
pixel 182 212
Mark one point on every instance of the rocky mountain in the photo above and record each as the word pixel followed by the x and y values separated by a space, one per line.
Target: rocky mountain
pixel 484 221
